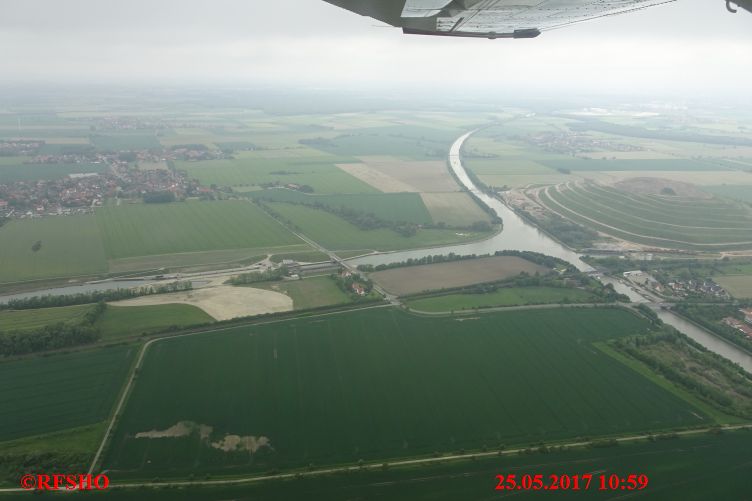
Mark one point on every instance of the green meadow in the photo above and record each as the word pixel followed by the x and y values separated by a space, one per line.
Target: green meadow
pixel 335 233
pixel 401 207
pixel 70 246
pixel 381 384
pixel 512 296
pixel 148 229
pixel 47 394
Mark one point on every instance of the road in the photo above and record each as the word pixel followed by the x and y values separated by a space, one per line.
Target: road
pixel 391 464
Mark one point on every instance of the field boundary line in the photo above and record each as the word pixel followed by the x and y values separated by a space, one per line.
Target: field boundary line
pixel 139 362
pixel 405 462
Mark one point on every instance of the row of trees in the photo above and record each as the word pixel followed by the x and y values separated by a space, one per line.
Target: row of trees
pixel 259 276
pixel 53 337
pixel 534 257
pixel 50 301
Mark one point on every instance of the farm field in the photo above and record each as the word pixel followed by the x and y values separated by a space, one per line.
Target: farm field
pixel 10 173
pixel 676 164
pixel 11 320
pixel 191 260
pixel 412 279
pixel 677 469
pixel 512 296
pixel 125 142
pixel 70 246
pixel 739 286
pixel 743 193
pixel 335 233
pixel 310 292
pixel 119 321
pixel 250 168
pixel 391 384
pixel 400 207
pixel 150 229
pixel 43 395
pixel 413 142
pixel 391 174
pixel 673 222
pixel 454 209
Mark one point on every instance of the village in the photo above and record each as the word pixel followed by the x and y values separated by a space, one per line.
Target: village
pixel 691 288
pixel 113 175
pixel 573 143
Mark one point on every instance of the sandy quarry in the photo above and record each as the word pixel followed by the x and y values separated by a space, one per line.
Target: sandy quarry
pixel 222 302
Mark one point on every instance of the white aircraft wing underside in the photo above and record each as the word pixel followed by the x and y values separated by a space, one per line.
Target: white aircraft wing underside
pixel 489 18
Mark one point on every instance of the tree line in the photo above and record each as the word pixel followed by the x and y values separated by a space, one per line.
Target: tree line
pixel 534 257
pixel 55 336
pixel 259 276
pixel 50 301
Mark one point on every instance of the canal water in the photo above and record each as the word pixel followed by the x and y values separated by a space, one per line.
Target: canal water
pixel 520 235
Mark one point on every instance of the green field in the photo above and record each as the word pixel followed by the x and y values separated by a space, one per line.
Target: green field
pixel 32 319
pixel 502 297
pixel 414 142
pixel 310 292
pixel 42 395
pixel 71 246
pixel 119 321
pixel 401 207
pixel 121 142
pixel 743 193
pixel 251 168
pixel 691 468
pixel 148 229
pixel 739 286
pixel 684 223
pixel 10 173
pixel 335 233
pixel 383 383
pixel 584 164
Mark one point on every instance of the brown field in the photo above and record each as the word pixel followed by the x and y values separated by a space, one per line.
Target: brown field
pixel 373 177
pixel 739 286
pixel 456 209
pixel 390 174
pixel 414 279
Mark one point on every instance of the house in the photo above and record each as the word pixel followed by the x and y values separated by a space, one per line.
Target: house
pixel 738 325
pixel 358 289
pixel 747 312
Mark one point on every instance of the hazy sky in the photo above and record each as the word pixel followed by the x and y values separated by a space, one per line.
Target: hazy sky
pixel 690 46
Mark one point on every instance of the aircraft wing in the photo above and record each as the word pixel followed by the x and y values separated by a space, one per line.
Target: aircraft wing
pixel 493 18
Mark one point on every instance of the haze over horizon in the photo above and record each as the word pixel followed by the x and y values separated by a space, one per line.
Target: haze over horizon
pixel 687 48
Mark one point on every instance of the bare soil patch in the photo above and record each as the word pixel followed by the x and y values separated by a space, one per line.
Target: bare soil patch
pixel 222 302
pixel 410 280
